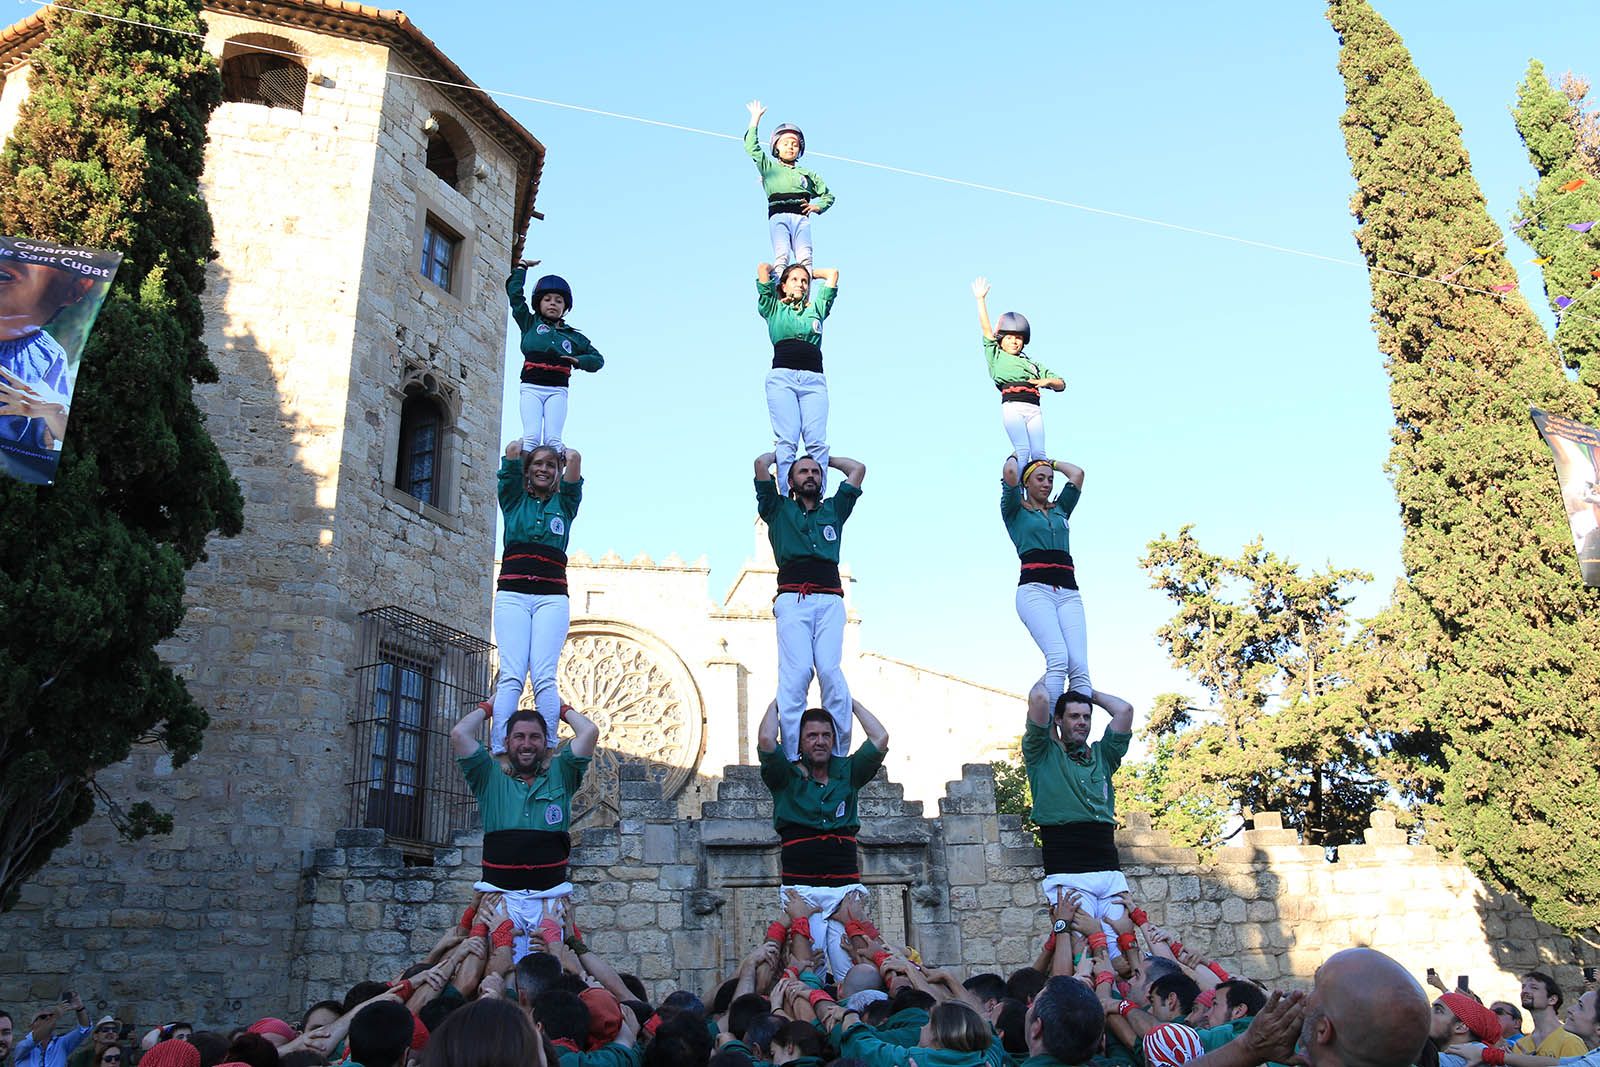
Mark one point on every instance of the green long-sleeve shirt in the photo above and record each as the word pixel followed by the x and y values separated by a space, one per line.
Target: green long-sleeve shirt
pixel 799 800
pixel 1076 787
pixel 1006 369
pixel 785 322
pixel 864 1043
pixel 530 520
pixel 786 183
pixel 545 344
pixel 796 533
pixel 612 1055
pixel 1032 530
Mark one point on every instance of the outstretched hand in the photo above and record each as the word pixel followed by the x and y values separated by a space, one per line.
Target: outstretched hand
pixel 980 288
pixel 756 111
pixel 1276 1027
pixel 526 263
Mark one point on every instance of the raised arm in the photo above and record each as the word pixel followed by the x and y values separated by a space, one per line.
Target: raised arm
pixel 573 471
pixel 764 464
pixel 464 734
pixel 980 289
pixel 1010 473
pixel 585 733
pixel 1072 471
pixel 767 732
pixel 1120 710
pixel 828 276
pixel 854 471
pixel 764 273
pixel 515 295
pixel 875 731
pixel 1039 704
pixel 752 138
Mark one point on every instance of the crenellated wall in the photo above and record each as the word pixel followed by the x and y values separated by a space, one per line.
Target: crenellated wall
pixel 678 900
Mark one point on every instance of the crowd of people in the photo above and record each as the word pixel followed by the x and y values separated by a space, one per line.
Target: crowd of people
pixel 472 1002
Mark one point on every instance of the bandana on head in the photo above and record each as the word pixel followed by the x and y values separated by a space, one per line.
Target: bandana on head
pixel 171 1053
pixel 1483 1023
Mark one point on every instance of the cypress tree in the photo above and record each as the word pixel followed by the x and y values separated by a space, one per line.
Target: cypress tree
pixel 1490 653
pixel 107 153
pixel 1548 121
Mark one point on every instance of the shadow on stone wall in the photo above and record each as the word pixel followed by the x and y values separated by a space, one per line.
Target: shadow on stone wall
pixel 199 917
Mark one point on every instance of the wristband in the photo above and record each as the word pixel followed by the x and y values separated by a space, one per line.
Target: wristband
pixel 1216 969
pixel 564 709
pixel 550 930
pixel 575 943
pixel 479 930
pixel 1139 916
pixel 791 971
pixel 801 927
pixel 878 957
pixel 503 935
pixel 777 932
pixel 1126 942
pixel 468 915
pixel 818 995
pixel 1206 998
pixel 1097 941
pixel 1103 978
pixel 403 990
pixel 1050 945
pixel 861 928
pixel 1176 947
pixel 1124 1007
pixel 1494 1057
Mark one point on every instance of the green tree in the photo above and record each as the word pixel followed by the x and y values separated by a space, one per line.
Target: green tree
pixel 1012 796
pixel 1549 122
pixel 1488 659
pixel 1267 644
pixel 107 152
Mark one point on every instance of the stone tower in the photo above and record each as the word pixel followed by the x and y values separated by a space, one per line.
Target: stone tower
pixel 365 221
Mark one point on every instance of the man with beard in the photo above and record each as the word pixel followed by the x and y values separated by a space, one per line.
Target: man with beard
pixel 526 809
pixel 806 531
pixel 814 812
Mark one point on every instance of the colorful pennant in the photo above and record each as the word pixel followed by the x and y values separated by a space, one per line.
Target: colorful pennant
pixel 1563 301
pixel 1541 261
pixel 1574 185
pixel 1581 227
pixel 1504 287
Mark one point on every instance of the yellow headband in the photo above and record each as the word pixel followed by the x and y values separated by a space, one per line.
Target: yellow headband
pixel 1028 470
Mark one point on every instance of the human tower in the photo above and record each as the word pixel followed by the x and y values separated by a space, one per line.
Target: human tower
pixel 524 783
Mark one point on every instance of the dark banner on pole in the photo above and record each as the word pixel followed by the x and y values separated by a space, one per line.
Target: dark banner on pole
pixel 49 297
pixel 1577 451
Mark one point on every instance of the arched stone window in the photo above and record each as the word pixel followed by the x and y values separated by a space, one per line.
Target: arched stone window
pixel 450 152
pixel 260 68
pixel 425 444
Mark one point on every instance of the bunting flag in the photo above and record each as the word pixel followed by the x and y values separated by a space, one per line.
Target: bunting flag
pixel 56 304
pixel 1574 185
pixel 1541 260
pixel 1504 287
pixel 1563 301
pixel 1576 448
pixel 1595 273
pixel 1483 250
pixel 1581 227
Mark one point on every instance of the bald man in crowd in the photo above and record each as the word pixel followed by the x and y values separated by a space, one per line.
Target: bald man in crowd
pixel 1364 1010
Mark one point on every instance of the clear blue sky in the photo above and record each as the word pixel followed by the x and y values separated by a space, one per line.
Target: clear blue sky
pixel 1231 387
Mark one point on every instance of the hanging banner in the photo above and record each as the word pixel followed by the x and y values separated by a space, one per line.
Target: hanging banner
pixel 1577 452
pixel 49 297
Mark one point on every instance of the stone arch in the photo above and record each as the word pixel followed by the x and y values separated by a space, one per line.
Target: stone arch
pixel 646 702
pixel 265 69
pixel 450 154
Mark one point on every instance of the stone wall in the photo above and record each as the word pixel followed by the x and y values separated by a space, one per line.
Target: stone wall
pixel 315 316
pixel 677 901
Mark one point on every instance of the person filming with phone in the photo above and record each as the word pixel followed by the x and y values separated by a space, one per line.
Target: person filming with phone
pixel 42 1047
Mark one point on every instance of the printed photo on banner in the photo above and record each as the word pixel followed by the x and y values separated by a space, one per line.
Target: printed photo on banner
pixel 49 297
pixel 1577 453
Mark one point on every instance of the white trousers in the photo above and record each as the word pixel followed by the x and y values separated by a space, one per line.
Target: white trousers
pixel 1097 891
pixel 544 415
pixel 1054 618
pixel 797 404
pixel 1024 425
pixel 826 899
pixel 529 629
pixel 791 241
pixel 811 640
pixel 526 908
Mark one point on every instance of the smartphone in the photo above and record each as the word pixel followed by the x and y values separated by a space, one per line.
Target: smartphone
pixel 1589 974
pixel 1432 973
pixel 1461 982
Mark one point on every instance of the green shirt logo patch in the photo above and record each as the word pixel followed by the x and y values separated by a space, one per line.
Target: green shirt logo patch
pixel 828 534
pixel 553 814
